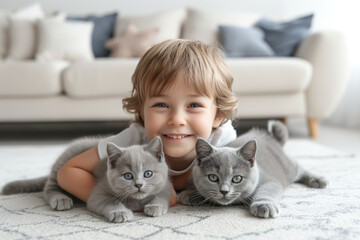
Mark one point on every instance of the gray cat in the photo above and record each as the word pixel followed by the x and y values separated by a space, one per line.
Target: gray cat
pixel 253 170
pixel 130 179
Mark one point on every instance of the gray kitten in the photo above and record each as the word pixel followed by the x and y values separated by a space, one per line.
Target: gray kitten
pixel 252 170
pixel 133 178
pixel 130 179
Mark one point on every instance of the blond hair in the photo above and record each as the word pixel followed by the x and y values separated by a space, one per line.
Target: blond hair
pixel 200 66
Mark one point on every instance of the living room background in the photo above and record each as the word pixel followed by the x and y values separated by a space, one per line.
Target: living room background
pixel 328 14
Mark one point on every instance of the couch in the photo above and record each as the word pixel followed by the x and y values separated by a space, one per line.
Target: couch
pixel 307 84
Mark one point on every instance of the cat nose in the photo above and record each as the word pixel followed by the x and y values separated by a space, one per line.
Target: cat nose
pixel 224 192
pixel 138 185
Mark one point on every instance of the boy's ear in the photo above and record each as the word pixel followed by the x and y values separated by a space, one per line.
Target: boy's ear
pixel 218 120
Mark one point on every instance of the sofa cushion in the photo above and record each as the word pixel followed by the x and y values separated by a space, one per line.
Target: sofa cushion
pixel 103 31
pixel 203 25
pixel 30 78
pixel 132 42
pixel 23 34
pixel 284 37
pixel 100 78
pixel 244 42
pixel 168 22
pixel 62 108
pixel 64 40
pixel 269 75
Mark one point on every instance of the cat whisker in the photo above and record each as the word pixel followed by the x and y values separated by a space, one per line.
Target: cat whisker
pixel 204 201
pixel 245 200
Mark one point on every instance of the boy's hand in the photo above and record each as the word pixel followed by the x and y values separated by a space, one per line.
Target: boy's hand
pixel 174 199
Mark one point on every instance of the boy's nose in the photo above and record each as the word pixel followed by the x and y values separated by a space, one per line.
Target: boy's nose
pixel 177 118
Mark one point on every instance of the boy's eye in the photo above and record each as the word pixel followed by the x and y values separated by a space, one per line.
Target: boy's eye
pixel 194 105
pixel 160 105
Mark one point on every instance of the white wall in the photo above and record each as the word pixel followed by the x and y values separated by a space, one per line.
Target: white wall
pixel 327 12
pixel 281 8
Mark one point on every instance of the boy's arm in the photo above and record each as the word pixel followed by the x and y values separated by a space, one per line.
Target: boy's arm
pixel 76 176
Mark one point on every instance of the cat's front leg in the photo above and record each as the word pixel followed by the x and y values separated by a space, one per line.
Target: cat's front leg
pixel 265 202
pixel 159 205
pixel 56 197
pixel 191 197
pixel 119 214
pixel 110 208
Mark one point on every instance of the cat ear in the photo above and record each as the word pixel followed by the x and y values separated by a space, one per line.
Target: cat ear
pixel 156 148
pixel 203 149
pixel 114 153
pixel 248 151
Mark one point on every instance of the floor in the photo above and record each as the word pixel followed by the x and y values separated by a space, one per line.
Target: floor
pixel 347 140
pixel 341 138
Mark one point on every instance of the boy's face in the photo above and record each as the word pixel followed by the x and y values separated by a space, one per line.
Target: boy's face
pixel 178 116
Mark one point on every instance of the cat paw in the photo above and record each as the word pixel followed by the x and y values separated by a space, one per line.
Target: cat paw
pixel 61 203
pixel 155 210
pixel 318 182
pixel 120 216
pixel 264 209
pixel 184 198
pixel 190 198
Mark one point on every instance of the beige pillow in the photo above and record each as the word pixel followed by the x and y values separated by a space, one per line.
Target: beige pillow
pixel 65 40
pixel 203 25
pixel 22 34
pixel 168 22
pixel 132 42
pixel 4 29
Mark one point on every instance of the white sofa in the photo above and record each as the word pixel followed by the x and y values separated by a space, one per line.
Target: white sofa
pixel 308 84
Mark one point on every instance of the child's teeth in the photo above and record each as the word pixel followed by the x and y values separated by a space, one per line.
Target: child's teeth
pixel 176 136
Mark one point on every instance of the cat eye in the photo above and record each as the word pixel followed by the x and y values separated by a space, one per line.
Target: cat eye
pixel 213 178
pixel 128 176
pixel 237 179
pixel 148 173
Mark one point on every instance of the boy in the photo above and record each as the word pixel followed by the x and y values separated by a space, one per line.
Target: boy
pixel 181 91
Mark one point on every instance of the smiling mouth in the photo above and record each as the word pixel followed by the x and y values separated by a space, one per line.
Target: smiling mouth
pixel 177 136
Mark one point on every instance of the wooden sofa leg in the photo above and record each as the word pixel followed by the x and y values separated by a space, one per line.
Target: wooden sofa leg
pixel 313 127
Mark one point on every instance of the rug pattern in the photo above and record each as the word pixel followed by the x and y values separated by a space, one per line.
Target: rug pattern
pixel 331 213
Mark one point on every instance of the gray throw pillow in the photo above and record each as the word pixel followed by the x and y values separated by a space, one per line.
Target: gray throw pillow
pixel 284 37
pixel 243 42
pixel 103 31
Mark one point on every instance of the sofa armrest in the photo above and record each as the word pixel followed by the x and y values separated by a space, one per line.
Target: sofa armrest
pixel 327 52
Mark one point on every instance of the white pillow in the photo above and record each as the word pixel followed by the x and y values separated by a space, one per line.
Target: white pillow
pixel 4 29
pixel 168 22
pixel 31 12
pixel 203 25
pixel 23 37
pixel 65 40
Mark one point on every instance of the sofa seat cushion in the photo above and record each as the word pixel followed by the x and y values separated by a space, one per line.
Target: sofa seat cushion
pixel 30 78
pixel 269 75
pixel 104 77
pixel 112 77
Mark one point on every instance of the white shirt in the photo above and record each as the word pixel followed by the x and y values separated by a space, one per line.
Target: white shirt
pixel 135 135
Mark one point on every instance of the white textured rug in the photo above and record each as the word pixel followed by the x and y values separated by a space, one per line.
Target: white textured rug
pixel 331 213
